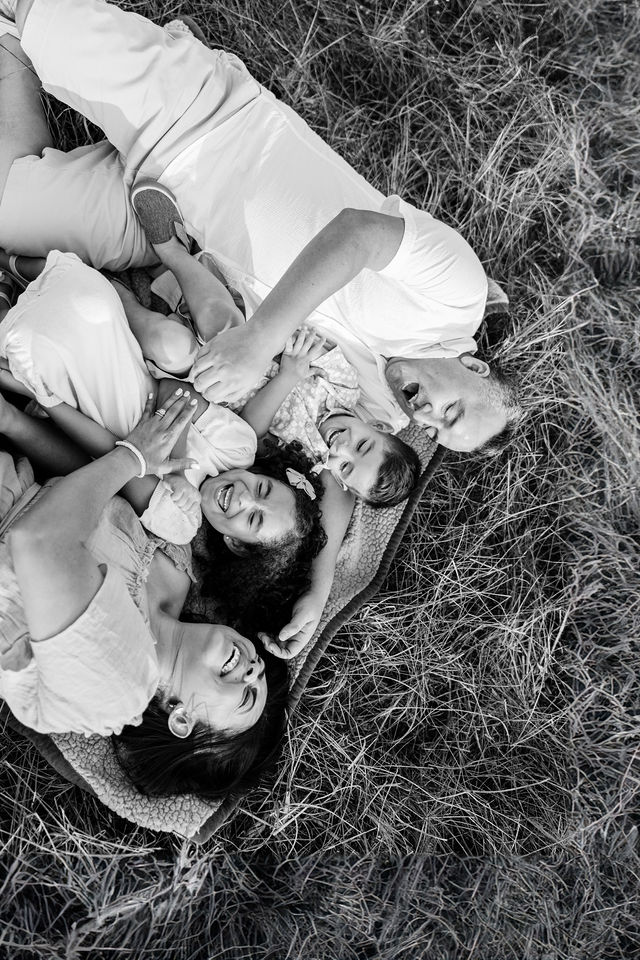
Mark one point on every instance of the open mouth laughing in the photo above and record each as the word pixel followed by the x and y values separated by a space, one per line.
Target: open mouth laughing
pixel 231 662
pixel 223 496
pixel 333 435
pixel 410 391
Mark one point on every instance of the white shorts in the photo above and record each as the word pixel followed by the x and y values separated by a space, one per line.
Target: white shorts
pixel 153 94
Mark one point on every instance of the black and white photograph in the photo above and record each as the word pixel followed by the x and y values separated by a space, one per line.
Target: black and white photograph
pixel 319 479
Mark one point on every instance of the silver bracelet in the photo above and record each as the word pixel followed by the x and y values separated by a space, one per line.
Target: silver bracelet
pixel 136 452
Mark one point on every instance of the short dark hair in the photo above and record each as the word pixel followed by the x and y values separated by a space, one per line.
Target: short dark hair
pixel 398 474
pixel 209 763
pixel 505 392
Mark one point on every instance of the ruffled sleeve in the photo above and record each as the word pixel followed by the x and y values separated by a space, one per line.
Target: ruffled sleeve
pixel 164 518
pixel 219 440
pixel 94 677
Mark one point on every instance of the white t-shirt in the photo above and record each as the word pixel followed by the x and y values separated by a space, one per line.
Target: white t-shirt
pixel 256 189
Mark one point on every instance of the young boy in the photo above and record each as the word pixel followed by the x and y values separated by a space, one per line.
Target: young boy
pixel 311 396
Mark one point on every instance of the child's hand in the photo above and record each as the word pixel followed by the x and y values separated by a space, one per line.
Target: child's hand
pixel 305 618
pixel 301 349
pixel 183 493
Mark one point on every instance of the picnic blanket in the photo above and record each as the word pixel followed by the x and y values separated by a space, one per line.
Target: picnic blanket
pixel 364 560
pixel 365 557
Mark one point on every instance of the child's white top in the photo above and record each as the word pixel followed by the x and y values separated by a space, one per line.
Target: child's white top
pixel 67 339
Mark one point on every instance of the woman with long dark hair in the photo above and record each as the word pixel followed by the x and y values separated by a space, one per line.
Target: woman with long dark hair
pixel 92 639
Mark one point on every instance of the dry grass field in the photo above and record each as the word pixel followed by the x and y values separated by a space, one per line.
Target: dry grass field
pixel 462 779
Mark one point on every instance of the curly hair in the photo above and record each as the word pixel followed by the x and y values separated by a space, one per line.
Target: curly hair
pixel 209 763
pixel 257 591
pixel 398 474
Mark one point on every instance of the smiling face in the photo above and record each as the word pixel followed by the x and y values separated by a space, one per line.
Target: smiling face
pixel 356 451
pixel 451 397
pixel 248 507
pixel 218 676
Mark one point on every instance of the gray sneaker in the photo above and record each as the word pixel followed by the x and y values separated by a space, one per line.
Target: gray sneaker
pixel 158 212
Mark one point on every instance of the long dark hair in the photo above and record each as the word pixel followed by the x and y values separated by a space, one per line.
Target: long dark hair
pixel 257 591
pixel 209 763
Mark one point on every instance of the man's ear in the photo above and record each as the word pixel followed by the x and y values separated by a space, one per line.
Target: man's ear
pixel 236 546
pixel 475 364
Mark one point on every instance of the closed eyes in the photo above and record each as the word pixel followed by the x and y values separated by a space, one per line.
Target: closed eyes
pixel 256 519
pixel 456 410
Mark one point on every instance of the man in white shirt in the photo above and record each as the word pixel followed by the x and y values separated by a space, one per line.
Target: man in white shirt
pixel 294 228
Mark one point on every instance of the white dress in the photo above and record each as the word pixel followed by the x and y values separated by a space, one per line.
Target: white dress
pixel 67 339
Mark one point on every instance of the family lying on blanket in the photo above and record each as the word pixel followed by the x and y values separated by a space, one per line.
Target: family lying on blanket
pixel 308 320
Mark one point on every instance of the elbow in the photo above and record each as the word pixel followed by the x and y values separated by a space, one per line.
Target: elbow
pixel 36 533
pixel 26 539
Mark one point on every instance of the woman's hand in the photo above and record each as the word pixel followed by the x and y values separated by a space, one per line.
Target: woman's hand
pixel 183 493
pixel 156 433
pixel 293 638
pixel 300 351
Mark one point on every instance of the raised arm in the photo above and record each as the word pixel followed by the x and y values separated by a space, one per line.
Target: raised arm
pixel 296 364
pixel 337 508
pixel 231 363
pixel 57 575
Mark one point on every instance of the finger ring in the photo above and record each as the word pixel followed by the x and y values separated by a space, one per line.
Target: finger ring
pixel 161 412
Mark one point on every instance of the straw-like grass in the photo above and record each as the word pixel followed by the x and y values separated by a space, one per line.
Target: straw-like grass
pixel 463 774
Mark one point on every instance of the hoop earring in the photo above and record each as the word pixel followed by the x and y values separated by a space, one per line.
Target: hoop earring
pixel 180 723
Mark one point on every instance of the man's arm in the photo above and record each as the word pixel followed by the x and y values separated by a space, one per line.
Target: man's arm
pixel 234 360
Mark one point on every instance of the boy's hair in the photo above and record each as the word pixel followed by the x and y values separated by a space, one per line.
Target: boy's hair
pixel 398 474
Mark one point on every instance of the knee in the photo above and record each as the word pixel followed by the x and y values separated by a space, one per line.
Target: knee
pixel 217 315
pixel 171 346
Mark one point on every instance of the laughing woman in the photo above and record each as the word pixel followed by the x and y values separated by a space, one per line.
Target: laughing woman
pixel 91 639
